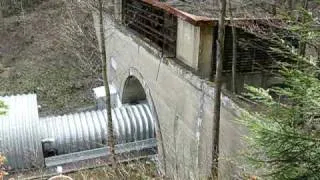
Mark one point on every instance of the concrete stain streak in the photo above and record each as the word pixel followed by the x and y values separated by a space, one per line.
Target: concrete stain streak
pixel 199 125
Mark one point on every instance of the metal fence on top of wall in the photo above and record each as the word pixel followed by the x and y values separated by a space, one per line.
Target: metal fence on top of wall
pixel 153 24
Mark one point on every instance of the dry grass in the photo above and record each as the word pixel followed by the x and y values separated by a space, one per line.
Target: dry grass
pixel 133 170
pixel 34 60
pixel 145 169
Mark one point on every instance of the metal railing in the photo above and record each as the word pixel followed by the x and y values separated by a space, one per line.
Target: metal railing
pixel 152 23
pixel 100 152
pixel 253 53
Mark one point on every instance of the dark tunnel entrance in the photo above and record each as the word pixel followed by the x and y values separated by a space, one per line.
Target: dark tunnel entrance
pixel 133 92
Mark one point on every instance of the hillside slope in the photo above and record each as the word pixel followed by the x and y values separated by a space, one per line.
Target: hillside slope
pixel 34 60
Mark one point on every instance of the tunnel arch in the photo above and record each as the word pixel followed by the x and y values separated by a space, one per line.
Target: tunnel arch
pixel 134 80
pixel 133 92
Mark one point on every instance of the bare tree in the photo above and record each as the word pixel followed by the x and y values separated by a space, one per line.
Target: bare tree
pixel 77 37
pixel 80 42
pixel 111 139
pixel 217 92
pixel 1 17
pixel 290 5
pixel 2 8
pixel 303 43
pixel 234 48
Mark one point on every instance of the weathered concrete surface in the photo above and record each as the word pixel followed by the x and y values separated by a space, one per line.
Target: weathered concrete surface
pixel 181 102
pixel 194 47
pixel 188 41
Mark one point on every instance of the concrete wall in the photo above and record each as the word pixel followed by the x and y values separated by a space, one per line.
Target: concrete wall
pixel 182 103
pixel 188 42
pixel 194 47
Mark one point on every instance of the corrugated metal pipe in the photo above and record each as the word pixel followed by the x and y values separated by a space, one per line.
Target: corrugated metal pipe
pixel 79 132
pixel 88 130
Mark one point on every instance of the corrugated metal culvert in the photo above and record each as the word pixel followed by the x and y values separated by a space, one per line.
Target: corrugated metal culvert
pixel 88 130
pixel 26 140
pixel 19 131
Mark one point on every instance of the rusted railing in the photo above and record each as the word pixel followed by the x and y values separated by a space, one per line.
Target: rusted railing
pixel 253 53
pixel 153 24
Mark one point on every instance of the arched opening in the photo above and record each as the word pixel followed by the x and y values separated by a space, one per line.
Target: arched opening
pixel 133 92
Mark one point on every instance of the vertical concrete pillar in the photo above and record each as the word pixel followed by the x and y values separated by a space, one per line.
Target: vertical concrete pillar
pixel 194 46
pixel 188 43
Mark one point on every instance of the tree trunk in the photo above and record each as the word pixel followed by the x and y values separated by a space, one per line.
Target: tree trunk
pixel 274 8
pixel 290 5
pixel 318 58
pixel 302 43
pixel 234 50
pixel 2 23
pixel 111 137
pixel 1 19
pixel 217 93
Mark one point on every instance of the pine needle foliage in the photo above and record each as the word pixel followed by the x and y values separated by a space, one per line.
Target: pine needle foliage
pixel 3 108
pixel 284 136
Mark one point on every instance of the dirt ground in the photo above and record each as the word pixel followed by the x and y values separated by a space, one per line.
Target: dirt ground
pixel 32 60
